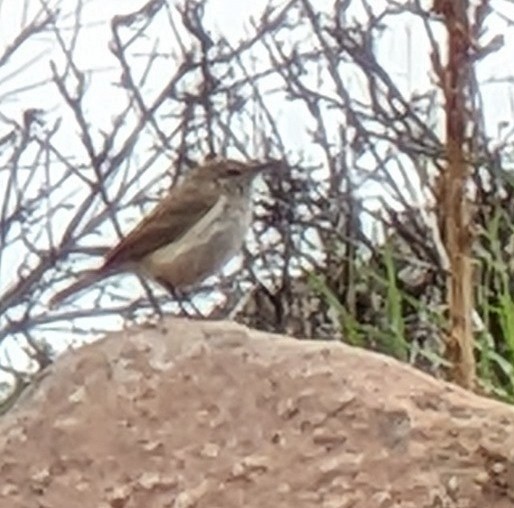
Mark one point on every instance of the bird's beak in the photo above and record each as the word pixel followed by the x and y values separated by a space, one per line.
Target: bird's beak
pixel 269 165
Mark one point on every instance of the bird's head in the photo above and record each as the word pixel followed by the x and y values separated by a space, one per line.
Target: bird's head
pixel 231 173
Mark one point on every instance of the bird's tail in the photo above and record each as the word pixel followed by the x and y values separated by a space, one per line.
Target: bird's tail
pixel 85 280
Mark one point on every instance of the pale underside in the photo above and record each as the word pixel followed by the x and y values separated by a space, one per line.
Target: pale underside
pixel 205 248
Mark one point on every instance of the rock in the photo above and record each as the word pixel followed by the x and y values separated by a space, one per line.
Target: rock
pixel 212 414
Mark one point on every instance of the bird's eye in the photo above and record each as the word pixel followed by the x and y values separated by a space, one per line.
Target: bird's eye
pixel 233 172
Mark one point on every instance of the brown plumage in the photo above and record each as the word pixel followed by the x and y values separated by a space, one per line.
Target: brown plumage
pixel 191 233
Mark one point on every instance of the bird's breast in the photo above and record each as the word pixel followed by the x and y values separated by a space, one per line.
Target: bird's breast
pixel 206 247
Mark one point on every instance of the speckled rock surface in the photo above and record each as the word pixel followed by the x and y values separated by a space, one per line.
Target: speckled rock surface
pixel 203 414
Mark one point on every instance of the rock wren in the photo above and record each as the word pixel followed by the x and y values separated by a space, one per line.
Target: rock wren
pixel 191 233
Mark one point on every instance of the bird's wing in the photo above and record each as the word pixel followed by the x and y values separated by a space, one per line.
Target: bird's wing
pixel 184 206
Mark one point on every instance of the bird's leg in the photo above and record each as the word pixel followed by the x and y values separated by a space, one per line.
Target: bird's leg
pixel 170 288
pixel 229 286
pixel 182 298
pixel 177 295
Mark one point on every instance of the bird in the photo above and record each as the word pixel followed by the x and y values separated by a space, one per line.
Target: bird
pixel 192 233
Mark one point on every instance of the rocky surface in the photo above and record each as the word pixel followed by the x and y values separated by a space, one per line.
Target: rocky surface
pixel 212 414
